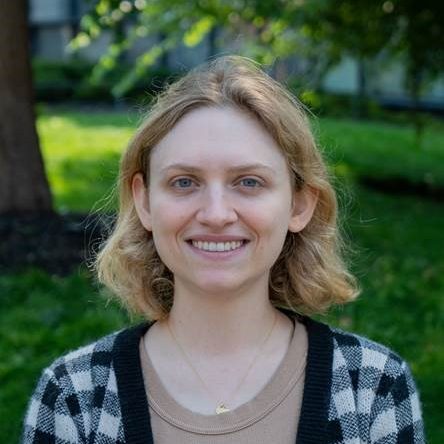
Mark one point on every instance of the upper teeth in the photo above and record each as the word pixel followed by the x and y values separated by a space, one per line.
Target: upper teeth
pixel 217 246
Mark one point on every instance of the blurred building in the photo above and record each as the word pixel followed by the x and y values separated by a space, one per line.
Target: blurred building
pixel 384 83
pixel 53 23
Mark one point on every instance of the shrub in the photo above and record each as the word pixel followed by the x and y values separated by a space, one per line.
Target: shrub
pixel 57 81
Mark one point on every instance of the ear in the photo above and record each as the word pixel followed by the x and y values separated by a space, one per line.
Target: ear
pixel 304 204
pixel 141 201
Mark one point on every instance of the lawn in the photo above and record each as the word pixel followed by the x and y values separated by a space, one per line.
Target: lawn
pixel 397 241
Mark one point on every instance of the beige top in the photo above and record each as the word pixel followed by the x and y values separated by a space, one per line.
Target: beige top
pixel 272 416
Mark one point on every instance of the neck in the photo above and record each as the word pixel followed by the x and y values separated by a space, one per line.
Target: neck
pixel 215 325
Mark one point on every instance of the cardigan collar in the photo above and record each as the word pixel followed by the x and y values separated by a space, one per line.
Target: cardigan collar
pixel 312 427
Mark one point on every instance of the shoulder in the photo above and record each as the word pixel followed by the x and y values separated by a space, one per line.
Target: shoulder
pixel 72 388
pixel 354 351
pixel 83 360
pixel 376 383
pixel 373 375
pixel 356 365
pixel 350 351
pixel 75 374
pixel 92 364
pixel 362 369
pixel 98 354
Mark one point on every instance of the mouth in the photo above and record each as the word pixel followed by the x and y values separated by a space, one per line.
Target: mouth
pixel 218 247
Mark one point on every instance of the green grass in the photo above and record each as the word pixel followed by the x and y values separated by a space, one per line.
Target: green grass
pixel 383 150
pixel 82 153
pixel 398 259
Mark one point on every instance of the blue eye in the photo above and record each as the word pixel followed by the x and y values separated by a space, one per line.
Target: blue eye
pixel 184 182
pixel 249 182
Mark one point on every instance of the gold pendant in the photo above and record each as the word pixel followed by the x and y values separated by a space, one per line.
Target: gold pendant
pixel 221 409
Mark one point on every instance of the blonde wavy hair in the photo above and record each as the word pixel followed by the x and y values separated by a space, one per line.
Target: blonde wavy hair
pixel 309 275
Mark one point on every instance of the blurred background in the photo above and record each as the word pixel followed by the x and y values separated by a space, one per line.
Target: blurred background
pixel 76 77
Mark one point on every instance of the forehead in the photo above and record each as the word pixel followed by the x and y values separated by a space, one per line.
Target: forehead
pixel 215 137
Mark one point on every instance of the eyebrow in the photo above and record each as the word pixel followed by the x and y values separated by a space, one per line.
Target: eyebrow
pixel 236 169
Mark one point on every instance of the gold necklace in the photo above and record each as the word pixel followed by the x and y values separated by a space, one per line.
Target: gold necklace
pixel 221 407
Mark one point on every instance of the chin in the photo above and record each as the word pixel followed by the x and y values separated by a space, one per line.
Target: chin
pixel 222 285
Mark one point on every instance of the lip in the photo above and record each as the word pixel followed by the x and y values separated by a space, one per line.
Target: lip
pixel 216 238
pixel 218 255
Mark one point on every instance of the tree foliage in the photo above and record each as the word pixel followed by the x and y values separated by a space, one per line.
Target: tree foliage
pixel 318 32
pixel 266 31
pixel 411 29
pixel 421 40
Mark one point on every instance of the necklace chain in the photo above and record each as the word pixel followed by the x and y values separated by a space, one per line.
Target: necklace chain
pixel 222 406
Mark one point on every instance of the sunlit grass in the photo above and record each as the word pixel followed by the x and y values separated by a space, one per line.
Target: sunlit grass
pixel 82 154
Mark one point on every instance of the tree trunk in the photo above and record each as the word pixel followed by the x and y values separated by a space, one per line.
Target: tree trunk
pixel 23 183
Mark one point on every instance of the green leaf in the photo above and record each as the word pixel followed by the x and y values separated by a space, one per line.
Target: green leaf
pixel 198 31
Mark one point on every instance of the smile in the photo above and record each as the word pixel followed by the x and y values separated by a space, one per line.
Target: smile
pixel 217 246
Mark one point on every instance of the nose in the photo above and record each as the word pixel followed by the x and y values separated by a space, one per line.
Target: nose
pixel 216 208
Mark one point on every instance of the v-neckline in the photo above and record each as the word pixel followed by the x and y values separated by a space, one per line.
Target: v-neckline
pixel 313 420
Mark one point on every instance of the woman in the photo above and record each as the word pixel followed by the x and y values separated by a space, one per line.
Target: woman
pixel 226 240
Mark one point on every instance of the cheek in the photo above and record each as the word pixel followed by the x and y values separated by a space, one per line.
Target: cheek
pixel 270 217
pixel 164 228
pixel 168 221
pixel 271 226
pixel 166 215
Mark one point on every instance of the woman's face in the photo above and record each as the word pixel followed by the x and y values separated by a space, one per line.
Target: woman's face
pixel 219 202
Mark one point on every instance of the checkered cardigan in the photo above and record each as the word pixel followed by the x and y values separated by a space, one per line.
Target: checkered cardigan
pixel 356 392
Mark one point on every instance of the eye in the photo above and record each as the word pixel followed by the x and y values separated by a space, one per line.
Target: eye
pixel 250 182
pixel 182 182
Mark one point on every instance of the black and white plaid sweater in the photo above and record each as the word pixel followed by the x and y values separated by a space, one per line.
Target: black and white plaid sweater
pixel 356 392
